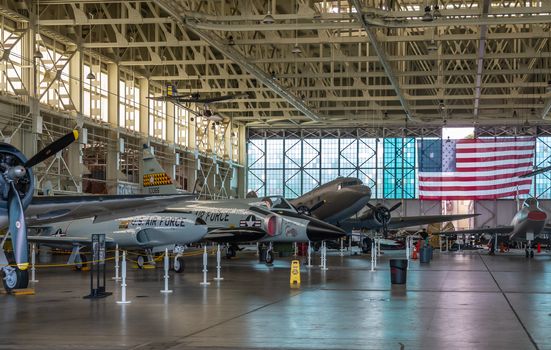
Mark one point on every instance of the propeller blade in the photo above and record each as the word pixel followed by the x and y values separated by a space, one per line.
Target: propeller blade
pixel 317 205
pixel 536 172
pixel 395 206
pixel 52 149
pixel 371 206
pixel 18 228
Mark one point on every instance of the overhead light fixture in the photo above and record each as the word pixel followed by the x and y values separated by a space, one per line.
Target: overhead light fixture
pixel 38 54
pixel 91 76
pixel 268 19
pixel 427 17
pixel 231 42
pixel 431 47
pixel 436 13
pixel 296 49
pixel 548 88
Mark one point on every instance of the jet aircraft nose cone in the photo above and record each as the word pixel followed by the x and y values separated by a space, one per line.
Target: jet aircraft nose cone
pixel 317 230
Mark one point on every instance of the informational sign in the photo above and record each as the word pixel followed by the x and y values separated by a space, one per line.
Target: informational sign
pixel 97 271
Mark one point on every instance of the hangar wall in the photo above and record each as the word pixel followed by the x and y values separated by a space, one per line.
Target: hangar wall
pixel 59 86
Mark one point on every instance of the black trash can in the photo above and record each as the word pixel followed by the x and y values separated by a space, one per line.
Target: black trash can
pixel 261 254
pixel 398 271
pixel 424 255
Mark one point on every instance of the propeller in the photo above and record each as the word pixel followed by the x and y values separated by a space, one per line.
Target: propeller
pixel 383 214
pixel 16 212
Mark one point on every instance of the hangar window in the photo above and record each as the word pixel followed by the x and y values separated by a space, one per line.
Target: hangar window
pixel 181 126
pixel 95 93
pixel 53 76
pixel 157 118
pixel 10 70
pixel 129 104
pixel 542 182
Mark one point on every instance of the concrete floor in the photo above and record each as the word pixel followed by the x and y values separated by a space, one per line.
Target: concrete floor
pixel 459 301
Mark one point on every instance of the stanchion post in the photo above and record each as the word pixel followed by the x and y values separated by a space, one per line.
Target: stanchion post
pixel 372 255
pixel 123 281
pixel 33 263
pixel 342 247
pixel 117 267
pixel 218 264
pixel 205 261
pixel 309 255
pixel 323 256
pixel 166 276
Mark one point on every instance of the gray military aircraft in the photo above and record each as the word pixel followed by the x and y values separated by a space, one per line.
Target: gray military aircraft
pixel 235 221
pixel 152 233
pixel 18 207
pixel 528 224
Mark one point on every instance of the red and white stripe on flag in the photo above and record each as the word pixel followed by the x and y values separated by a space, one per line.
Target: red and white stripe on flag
pixel 484 169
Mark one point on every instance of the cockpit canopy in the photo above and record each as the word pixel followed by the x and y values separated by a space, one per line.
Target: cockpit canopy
pixel 530 202
pixel 276 202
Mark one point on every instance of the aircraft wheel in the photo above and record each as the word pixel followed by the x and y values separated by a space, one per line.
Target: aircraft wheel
pixel 531 253
pixel 269 257
pixel 230 252
pixel 15 278
pixel 179 264
pixel 527 253
pixel 366 245
pixel 140 261
pixel 83 260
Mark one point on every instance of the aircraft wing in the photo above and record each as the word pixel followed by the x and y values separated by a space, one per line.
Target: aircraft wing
pixel 502 230
pixel 409 221
pixel 44 210
pixel 64 240
pixel 234 235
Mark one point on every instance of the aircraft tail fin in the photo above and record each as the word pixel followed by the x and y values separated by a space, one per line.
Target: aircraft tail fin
pixel 171 90
pixel 155 180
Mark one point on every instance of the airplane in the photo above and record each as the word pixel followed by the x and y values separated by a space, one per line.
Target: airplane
pixel 235 221
pixel 182 100
pixel 529 223
pixel 18 207
pixel 152 233
pixel 337 201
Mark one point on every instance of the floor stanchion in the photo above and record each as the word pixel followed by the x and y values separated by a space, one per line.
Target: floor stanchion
pixel 166 276
pixel 117 267
pixel 205 270
pixel 218 264
pixel 123 282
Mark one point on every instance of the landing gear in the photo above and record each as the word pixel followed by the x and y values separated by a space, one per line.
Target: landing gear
pixel 231 251
pixel 140 261
pixel 269 260
pixel 14 278
pixel 529 250
pixel 179 264
pixel 81 262
pixel 366 245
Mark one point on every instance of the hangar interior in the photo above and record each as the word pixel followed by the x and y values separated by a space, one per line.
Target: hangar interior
pixel 310 90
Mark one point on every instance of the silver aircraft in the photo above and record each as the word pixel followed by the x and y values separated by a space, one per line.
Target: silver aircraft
pixel 529 223
pixel 18 206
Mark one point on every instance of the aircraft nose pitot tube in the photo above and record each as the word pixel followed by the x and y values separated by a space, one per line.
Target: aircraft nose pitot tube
pixel 317 230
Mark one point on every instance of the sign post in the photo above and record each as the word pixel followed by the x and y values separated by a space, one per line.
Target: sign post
pixel 97 273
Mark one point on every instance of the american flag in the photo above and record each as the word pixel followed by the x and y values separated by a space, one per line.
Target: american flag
pixel 475 169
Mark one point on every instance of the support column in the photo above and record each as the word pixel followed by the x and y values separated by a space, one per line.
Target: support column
pixel 75 83
pixel 242 174
pixel 144 106
pixel 113 98
pixel 170 123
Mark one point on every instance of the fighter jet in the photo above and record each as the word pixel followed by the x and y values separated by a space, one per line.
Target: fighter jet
pixel 528 224
pixel 18 207
pixel 235 221
pixel 148 233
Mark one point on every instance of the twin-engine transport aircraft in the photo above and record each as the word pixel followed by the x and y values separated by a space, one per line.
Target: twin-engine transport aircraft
pixel 336 201
pixel 18 207
pixel 529 223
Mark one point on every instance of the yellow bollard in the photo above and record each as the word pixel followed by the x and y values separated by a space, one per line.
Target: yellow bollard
pixel 295 273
